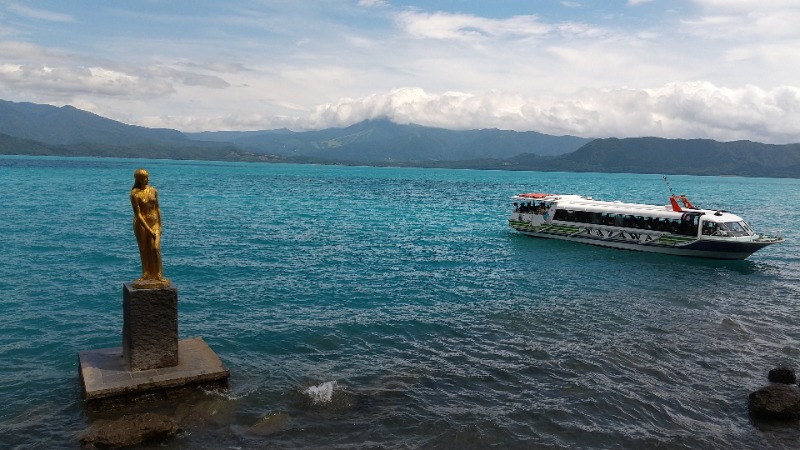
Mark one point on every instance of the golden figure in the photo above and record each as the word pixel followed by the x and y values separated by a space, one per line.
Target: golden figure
pixel 147 228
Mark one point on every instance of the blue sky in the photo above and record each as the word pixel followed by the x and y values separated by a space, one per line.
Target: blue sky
pixel 720 69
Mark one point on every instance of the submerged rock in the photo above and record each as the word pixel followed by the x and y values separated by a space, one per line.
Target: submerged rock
pixel 783 375
pixel 206 413
pixel 270 424
pixel 129 430
pixel 775 402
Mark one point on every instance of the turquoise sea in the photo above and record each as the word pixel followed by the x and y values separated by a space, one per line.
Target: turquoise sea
pixel 363 307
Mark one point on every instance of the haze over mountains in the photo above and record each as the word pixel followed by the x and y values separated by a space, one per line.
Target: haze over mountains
pixel 34 129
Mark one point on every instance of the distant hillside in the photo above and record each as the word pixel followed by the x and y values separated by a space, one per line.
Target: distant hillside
pixel 175 150
pixel 658 155
pixel 375 141
pixel 692 156
pixel 68 125
pixel 11 145
pixel 44 130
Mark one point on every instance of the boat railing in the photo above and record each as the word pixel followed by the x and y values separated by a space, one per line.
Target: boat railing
pixel 770 236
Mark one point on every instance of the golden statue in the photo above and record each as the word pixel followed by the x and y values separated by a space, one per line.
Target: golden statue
pixel 147 228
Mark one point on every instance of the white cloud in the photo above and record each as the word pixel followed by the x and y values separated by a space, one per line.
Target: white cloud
pixel 188 78
pixel 39 14
pixel 63 81
pixel 463 26
pixel 218 66
pixel 675 110
pixel 63 76
pixel 747 5
pixel 372 3
pixel 744 21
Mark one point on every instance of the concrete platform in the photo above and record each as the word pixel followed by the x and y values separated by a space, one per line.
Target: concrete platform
pixel 105 377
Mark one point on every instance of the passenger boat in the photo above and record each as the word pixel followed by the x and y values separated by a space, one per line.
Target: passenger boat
pixel 679 228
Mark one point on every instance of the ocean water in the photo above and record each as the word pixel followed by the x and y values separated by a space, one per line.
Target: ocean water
pixel 366 307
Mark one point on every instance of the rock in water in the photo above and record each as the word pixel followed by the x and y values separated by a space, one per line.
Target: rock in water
pixel 270 424
pixel 775 402
pixel 206 413
pixel 783 375
pixel 129 430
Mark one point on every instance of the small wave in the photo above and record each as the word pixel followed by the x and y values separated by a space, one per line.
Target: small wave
pixel 735 326
pixel 230 394
pixel 321 393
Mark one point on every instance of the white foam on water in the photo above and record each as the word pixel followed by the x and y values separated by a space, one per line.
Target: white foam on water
pixel 321 393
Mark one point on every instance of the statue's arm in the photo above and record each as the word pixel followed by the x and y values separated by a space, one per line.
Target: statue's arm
pixel 157 211
pixel 158 208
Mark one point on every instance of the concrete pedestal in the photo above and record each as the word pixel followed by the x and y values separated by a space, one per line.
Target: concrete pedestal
pixel 149 327
pixel 107 381
pixel 152 363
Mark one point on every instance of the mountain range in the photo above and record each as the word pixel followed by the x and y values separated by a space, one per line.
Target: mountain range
pixel 36 129
pixel 381 141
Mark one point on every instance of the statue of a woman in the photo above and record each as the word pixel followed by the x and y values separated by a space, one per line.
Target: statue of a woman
pixel 147 228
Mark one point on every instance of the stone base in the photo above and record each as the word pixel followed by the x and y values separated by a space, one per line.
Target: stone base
pixel 149 327
pixel 105 376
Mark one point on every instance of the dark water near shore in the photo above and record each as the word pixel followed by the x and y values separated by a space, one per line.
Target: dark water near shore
pixel 404 295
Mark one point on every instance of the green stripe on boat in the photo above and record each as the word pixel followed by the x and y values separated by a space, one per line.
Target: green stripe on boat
pixel 674 240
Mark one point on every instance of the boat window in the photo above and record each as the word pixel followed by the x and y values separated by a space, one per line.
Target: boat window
pixel 674 225
pixel 709 228
pixel 627 221
pixel 689 224
pixel 735 228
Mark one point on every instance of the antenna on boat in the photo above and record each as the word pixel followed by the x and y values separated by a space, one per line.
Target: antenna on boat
pixel 673 199
pixel 671 194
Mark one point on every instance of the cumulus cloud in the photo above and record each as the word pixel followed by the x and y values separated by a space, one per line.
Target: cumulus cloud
pixel 60 81
pixel 61 76
pixel 67 81
pixel 675 110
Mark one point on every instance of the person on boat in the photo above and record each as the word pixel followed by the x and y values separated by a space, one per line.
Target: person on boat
pixel 147 228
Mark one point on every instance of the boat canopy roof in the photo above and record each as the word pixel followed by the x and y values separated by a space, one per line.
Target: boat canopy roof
pixel 588 204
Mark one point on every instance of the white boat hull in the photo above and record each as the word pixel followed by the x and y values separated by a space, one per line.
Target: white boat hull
pixel 643 241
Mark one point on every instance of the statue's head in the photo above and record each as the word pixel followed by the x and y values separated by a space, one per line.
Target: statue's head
pixel 140 177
